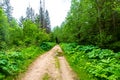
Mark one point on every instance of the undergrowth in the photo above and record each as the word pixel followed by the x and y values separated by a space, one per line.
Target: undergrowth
pixel 93 63
pixel 16 60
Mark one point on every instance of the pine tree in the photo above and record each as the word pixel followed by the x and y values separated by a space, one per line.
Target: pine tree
pixel 8 9
pixel 41 14
pixel 44 17
pixel 47 22
pixel 30 14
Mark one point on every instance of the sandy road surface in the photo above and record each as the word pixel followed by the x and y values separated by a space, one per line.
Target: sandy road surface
pixel 50 67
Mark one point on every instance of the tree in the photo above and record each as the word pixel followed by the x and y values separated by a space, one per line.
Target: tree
pixel 47 22
pixel 8 9
pixel 3 29
pixel 42 15
pixel 15 34
pixel 92 22
pixel 33 34
pixel 21 20
pixel 30 14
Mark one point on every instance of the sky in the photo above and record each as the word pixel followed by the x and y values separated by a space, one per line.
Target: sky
pixel 57 9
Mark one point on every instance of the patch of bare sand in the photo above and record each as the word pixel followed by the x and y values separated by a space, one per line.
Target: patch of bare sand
pixel 46 64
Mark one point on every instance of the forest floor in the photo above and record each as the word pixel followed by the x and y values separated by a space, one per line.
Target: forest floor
pixel 50 66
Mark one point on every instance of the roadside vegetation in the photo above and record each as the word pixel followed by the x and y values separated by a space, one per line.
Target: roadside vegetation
pixel 13 63
pixel 91 62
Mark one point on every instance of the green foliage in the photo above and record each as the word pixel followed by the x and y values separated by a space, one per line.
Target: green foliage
pixel 8 64
pixel 91 22
pixel 46 45
pixel 115 46
pixel 46 76
pixel 3 29
pixel 33 34
pixel 16 45
pixel 17 60
pixel 93 63
pixel 11 34
pixel 16 42
pixel 15 34
pixel 12 63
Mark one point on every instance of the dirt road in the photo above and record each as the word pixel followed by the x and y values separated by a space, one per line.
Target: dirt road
pixel 50 66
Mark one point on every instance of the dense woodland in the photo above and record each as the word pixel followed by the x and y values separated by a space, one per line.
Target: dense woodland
pixel 94 23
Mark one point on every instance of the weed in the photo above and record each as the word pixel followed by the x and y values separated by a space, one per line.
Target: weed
pixel 46 77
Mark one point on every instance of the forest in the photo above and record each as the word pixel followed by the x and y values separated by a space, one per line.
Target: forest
pixel 89 37
pixel 92 22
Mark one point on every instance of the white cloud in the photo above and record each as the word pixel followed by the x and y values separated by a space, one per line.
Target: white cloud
pixel 57 9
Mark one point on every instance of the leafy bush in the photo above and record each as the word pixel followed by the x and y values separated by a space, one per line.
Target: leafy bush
pixel 46 45
pixel 10 63
pixel 93 63
pixel 16 60
pixel 115 46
